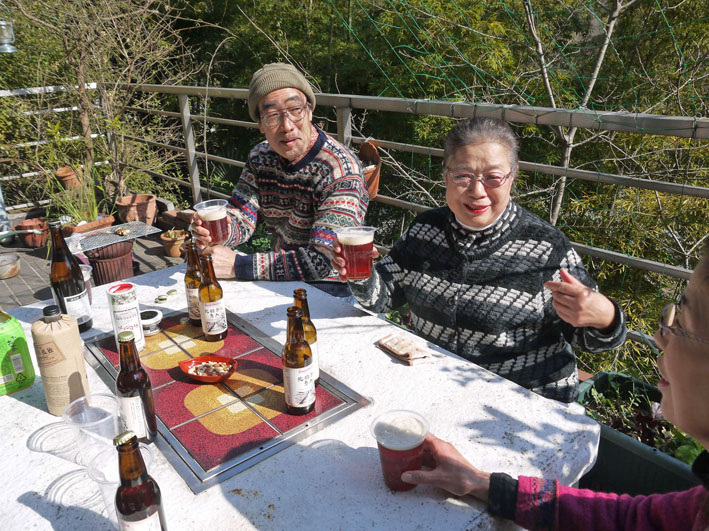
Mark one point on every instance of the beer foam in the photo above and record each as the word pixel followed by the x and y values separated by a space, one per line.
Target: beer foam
pixel 213 213
pixel 355 239
pixel 400 433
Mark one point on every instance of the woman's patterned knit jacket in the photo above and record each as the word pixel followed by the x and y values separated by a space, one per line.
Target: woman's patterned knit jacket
pixel 480 294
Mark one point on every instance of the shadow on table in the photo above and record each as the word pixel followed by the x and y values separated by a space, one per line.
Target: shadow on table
pixel 352 494
pixel 63 507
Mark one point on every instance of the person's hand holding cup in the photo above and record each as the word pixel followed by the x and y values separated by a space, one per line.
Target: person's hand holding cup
pixel 210 224
pixel 354 252
pixel 400 438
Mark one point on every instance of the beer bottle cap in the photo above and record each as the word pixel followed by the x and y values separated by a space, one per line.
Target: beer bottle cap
pixel 51 313
pixel 123 438
pixel 126 337
pixel 54 224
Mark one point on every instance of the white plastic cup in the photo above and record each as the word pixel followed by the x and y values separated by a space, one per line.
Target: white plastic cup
pixel 95 422
pixel 103 469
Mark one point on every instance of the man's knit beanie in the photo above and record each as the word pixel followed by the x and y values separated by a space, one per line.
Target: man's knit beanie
pixel 272 77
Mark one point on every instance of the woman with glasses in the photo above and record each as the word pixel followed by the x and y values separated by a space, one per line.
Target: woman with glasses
pixel 535 503
pixel 490 281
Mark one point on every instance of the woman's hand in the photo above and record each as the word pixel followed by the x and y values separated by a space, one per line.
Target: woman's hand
pixel 579 305
pixel 338 261
pixel 451 471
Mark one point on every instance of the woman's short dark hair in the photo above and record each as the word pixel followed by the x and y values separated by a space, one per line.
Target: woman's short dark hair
pixel 477 131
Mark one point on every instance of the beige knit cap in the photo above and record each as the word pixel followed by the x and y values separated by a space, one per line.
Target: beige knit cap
pixel 272 77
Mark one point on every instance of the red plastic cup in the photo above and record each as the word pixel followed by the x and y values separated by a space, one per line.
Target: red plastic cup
pixel 356 244
pixel 214 219
pixel 399 434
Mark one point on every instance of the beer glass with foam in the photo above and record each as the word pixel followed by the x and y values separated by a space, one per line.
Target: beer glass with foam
pixel 399 434
pixel 356 244
pixel 214 219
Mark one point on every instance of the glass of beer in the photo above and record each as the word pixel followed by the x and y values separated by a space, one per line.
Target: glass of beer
pixel 399 434
pixel 214 219
pixel 356 244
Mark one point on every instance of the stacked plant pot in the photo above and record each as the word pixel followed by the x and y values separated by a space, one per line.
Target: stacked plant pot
pixel 111 263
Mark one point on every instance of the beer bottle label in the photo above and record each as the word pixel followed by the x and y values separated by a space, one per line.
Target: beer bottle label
pixel 299 386
pixel 133 416
pixel 149 523
pixel 77 306
pixel 193 303
pixel 213 317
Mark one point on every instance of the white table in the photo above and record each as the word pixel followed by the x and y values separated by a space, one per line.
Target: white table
pixel 330 480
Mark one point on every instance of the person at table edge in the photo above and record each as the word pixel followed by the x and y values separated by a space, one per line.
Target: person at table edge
pixel 300 182
pixel 490 281
pixel 536 503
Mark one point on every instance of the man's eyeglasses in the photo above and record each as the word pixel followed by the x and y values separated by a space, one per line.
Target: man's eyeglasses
pixel 294 114
pixel 669 315
pixel 491 180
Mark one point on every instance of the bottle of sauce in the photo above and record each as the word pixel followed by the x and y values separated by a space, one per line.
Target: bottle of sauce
pixel 67 281
pixel 193 277
pixel 134 391
pixel 16 370
pixel 211 303
pixel 298 374
pixel 138 498
pixel 300 297
pixel 60 357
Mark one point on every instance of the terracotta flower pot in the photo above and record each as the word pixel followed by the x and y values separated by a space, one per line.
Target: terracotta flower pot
pixel 137 207
pixel 103 221
pixel 172 241
pixel 33 240
pixel 67 176
pixel 111 263
pixel 372 165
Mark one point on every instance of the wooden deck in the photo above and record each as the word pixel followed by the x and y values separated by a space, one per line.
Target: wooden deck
pixel 32 284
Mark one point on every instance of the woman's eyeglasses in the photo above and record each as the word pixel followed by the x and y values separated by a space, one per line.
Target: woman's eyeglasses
pixel 294 114
pixel 492 180
pixel 669 316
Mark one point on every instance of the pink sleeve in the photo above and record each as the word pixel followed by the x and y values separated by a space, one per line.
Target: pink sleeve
pixel 545 504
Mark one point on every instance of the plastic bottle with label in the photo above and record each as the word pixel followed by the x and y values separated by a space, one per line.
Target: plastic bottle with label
pixel 16 370
pixel 60 357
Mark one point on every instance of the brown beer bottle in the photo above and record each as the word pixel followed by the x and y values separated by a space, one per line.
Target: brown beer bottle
pixel 134 391
pixel 297 360
pixel 138 498
pixel 67 281
pixel 300 297
pixel 211 303
pixel 193 277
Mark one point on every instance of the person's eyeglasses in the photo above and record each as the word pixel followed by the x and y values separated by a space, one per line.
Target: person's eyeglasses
pixel 669 316
pixel 294 114
pixel 491 180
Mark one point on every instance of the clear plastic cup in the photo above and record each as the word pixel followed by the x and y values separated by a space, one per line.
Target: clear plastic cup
pixel 103 469
pixel 399 434
pixel 94 420
pixel 86 272
pixel 214 219
pixel 356 244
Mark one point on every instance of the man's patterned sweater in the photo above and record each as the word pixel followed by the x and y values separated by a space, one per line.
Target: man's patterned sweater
pixel 480 294
pixel 301 204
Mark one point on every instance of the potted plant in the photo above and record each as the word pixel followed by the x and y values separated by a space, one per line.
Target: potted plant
pixel 633 436
pixel 172 241
pixel 137 207
pixel 81 206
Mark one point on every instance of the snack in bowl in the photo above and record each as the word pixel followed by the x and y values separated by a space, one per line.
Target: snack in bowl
pixel 208 369
pixel 122 231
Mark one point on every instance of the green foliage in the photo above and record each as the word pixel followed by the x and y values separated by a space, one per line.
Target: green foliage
pixel 631 412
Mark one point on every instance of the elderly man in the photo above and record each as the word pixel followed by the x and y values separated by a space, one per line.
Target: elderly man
pixel 300 182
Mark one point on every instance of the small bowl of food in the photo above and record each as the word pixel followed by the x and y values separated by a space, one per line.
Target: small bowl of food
pixel 208 369
pixel 9 265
